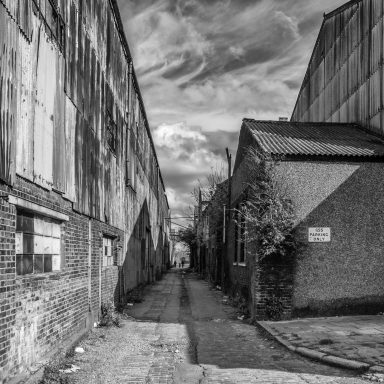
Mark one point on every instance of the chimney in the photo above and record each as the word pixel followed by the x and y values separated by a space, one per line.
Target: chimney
pixel 283 118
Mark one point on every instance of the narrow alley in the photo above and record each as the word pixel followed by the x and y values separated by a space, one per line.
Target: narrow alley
pixel 182 333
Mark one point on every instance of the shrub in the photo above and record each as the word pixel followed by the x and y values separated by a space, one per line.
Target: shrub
pixel 267 215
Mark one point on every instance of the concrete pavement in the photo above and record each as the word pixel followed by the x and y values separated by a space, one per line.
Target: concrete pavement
pixel 349 341
pixel 182 333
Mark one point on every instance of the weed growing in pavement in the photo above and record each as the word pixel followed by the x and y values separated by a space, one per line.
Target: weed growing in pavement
pixel 240 301
pixel 274 308
pixel 136 295
pixel 52 374
pixel 109 315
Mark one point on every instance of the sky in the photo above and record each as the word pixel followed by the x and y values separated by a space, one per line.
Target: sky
pixel 204 65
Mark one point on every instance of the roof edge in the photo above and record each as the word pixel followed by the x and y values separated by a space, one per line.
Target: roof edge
pixel 334 158
pixel 124 42
pixel 305 122
pixel 341 8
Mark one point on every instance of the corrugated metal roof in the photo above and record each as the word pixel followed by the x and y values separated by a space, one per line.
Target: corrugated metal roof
pixel 315 139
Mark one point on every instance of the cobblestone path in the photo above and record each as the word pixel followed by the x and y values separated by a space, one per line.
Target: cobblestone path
pixel 182 333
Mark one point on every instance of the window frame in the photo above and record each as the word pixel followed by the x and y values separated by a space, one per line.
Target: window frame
pixel 34 235
pixel 240 241
pixel 110 260
pixel 111 134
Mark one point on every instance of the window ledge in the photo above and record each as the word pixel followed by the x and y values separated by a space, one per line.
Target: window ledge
pixel 236 264
pixel 29 206
pixel 54 275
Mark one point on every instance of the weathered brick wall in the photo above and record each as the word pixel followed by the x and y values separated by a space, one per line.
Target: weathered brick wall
pixel 7 282
pixel 38 312
pixel 109 276
pixel 271 283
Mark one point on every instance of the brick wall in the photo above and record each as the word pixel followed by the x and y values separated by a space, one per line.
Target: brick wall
pixel 109 276
pixel 7 282
pixel 39 312
pixel 271 283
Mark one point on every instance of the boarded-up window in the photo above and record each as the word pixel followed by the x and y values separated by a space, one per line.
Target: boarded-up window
pixel 111 134
pixel 53 20
pixel 38 244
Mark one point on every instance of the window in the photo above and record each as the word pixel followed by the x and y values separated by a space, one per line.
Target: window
pixel 108 259
pixel 111 134
pixel 38 244
pixel 239 237
pixel 131 171
pixel 54 22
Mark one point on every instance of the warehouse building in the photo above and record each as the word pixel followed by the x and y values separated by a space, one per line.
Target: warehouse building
pixel 82 202
pixel 344 79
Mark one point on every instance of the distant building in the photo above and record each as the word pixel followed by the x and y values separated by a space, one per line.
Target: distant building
pixel 82 200
pixel 333 175
pixel 211 240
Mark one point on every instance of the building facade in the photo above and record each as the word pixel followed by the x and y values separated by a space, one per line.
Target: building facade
pixel 344 79
pixel 83 208
pixel 332 175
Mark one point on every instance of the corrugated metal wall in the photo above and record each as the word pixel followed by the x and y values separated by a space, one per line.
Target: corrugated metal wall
pixel 344 80
pixel 60 97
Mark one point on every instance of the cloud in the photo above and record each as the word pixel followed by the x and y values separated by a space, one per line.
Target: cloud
pixel 204 65
pixel 187 154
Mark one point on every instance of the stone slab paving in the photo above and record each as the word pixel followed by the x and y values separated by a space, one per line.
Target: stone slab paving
pixel 231 351
pixel 182 333
pixel 359 338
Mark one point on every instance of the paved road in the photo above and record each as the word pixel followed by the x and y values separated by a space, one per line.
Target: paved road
pixel 182 333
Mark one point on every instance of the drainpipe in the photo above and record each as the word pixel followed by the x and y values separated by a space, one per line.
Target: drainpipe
pixel 227 218
pixel 128 117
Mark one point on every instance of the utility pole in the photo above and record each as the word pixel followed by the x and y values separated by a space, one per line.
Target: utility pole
pixel 227 218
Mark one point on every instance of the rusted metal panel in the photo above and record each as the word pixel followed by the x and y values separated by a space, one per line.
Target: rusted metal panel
pixel 21 12
pixel 26 101
pixel 70 134
pixel 9 45
pixel 61 107
pixel 48 88
pixel 86 79
pixel 71 51
pixel 353 66
pixel 59 169
pixel 80 165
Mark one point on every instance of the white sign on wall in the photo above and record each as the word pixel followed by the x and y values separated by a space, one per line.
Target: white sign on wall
pixel 319 235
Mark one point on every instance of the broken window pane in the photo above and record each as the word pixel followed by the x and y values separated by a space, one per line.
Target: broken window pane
pixel 38 238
